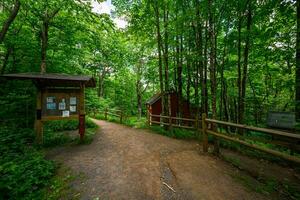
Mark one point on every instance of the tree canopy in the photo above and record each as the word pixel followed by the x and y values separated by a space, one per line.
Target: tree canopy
pixel 234 60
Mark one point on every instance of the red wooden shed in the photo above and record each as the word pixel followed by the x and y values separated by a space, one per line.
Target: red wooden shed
pixel 154 106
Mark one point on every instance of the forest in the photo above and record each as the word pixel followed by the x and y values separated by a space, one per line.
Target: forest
pixel 236 61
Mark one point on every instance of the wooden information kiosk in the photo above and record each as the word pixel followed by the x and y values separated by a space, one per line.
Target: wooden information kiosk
pixel 59 97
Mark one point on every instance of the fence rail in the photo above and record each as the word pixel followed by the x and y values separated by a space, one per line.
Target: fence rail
pixel 170 121
pixel 113 112
pixel 207 127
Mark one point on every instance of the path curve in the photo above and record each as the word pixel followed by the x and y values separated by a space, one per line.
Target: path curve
pixel 128 163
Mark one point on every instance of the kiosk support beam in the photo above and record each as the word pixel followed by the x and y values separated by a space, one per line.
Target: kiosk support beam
pixel 38 118
pixel 82 113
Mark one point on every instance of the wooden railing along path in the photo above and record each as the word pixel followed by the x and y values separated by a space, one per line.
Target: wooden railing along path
pixel 205 125
pixel 113 112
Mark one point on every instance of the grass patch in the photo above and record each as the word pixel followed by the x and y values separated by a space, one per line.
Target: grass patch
pixel 109 118
pixel 234 161
pixel 135 122
pixel 254 153
pixel 259 139
pixel 175 132
pixel 59 186
pixel 269 187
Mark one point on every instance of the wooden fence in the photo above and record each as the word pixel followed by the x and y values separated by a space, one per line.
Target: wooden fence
pixel 208 126
pixel 179 122
pixel 110 112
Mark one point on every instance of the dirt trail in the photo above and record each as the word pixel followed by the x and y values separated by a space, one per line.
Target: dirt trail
pixel 128 163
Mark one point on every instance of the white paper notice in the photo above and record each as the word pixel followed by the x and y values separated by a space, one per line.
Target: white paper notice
pixel 50 99
pixel 72 100
pixel 62 106
pixel 66 113
pixel 73 108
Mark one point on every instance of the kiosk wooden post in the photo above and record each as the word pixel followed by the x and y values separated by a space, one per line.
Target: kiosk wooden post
pixel 38 117
pixel 82 113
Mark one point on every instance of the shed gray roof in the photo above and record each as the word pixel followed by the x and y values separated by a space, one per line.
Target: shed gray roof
pixel 54 79
pixel 153 99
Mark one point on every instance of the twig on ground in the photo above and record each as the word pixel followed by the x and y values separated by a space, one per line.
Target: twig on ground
pixel 169 186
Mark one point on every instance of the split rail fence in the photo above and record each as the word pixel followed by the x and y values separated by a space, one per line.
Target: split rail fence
pixel 110 112
pixel 208 127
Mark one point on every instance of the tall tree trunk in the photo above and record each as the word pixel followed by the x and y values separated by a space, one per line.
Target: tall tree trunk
pixel 139 100
pixel 102 75
pixel 225 102
pixel 179 73
pixel 223 99
pixel 9 21
pixel 239 48
pixel 139 89
pixel 159 44
pixel 44 37
pixel 44 44
pixel 199 70
pixel 6 57
pixel 204 83
pixel 166 62
pixel 212 70
pixel 212 57
pixel 188 84
pixel 298 64
pixel 245 64
pixel 196 86
pixel 175 68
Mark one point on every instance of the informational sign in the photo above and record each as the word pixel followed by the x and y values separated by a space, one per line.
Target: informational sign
pixel 60 102
pixel 65 113
pixel 73 101
pixel 50 99
pixel 62 105
pixel 51 106
pixel 286 120
pixel 72 108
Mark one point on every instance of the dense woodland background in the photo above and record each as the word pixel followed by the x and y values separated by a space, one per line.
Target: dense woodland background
pixel 235 60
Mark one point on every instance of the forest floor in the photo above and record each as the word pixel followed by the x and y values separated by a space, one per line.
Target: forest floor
pixel 129 163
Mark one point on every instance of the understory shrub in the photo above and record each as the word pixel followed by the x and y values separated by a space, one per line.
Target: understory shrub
pixel 135 122
pixel 56 132
pixel 175 132
pixel 67 125
pixel 23 169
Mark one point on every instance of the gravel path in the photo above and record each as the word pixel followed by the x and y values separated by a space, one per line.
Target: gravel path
pixel 128 163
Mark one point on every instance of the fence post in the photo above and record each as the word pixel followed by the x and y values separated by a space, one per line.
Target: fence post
pixel 148 118
pixel 121 117
pixel 197 126
pixel 170 122
pixel 160 120
pixel 216 141
pixel 204 133
pixel 105 114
